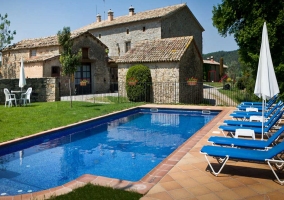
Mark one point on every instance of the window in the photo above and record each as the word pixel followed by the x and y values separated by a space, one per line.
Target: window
pixel 144 28
pixel 55 71
pixel 127 46
pixel 33 53
pixel 85 53
pixel 83 73
pixel 127 31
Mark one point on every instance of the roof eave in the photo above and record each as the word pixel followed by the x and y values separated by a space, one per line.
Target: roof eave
pixel 146 61
pixel 129 22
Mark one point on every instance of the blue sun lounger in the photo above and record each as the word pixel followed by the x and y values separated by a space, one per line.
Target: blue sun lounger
pixel 223 154
pixel 259 108
pixel 246 115
pixel 257 130
pixel 258 103
pixel 247 143
pixel 254 124
pixel 259 111
pixel 267 107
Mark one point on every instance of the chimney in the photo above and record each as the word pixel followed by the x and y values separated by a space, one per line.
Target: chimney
pixel 99 18
pixel 212 59
pixel 131 11
pixel 110 15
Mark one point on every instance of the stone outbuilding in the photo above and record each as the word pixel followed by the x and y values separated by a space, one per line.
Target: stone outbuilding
pixel 41 59
pixel 171 62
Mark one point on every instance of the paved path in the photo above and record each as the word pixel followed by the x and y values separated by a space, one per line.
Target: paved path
pixel 216 98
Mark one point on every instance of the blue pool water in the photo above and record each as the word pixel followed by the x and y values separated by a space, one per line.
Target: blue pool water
pixel 124 146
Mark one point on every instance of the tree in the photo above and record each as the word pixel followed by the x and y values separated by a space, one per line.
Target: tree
pixel 233 70
pixel 68 58
pixel 244 19
pixel 6 36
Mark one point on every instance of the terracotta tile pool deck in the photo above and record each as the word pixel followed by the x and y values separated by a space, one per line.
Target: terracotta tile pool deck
pixel 185 174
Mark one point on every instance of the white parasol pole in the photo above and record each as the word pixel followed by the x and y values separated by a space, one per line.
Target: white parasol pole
pixel 262 124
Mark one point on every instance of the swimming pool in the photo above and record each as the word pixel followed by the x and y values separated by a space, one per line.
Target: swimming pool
pixel 125 146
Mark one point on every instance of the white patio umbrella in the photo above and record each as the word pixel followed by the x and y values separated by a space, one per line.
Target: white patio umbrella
pixel 266 85
pixel 22 79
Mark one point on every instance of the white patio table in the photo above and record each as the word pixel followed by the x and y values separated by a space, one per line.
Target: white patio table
pixel 18 94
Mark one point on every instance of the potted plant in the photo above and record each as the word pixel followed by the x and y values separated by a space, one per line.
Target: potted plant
pixel 191 81
pixel 132 81
pixel 84 82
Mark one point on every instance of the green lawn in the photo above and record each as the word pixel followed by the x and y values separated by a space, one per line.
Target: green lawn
pixel 22 121
pixel 91 192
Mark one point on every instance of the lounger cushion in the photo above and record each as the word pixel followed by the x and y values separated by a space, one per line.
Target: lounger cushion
pixel 245 143
pixel 236 153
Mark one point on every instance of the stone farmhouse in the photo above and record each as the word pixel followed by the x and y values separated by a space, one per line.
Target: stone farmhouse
pixel 104 44
pixel 41 59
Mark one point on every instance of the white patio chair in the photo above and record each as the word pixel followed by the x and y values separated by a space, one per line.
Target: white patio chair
pixel 26 96
pixel 9 98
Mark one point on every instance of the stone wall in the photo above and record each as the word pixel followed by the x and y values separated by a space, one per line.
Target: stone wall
pixel 191 66
pixel 115 37
pixel 47 66
pixel 100 78
pixel 11 63
pixel 44 89
pixel 182 23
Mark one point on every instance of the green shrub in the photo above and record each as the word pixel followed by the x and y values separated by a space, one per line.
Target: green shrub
pixel 141 88
pixel 240 84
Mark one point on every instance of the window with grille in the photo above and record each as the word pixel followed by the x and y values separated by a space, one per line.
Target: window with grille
pixel 33 53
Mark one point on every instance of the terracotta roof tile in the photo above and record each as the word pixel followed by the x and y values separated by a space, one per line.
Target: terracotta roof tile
pixel 213 63
pixel 52 40
pixel 40 42
pixel 150 14
pixel 160 50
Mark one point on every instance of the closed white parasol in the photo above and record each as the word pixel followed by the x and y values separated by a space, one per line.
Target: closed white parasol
pixel 266 85
pixel 22 79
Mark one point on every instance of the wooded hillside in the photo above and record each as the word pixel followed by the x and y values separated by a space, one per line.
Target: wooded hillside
pixel 228 56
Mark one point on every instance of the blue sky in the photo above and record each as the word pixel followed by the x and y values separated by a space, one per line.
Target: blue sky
pixel 42 18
